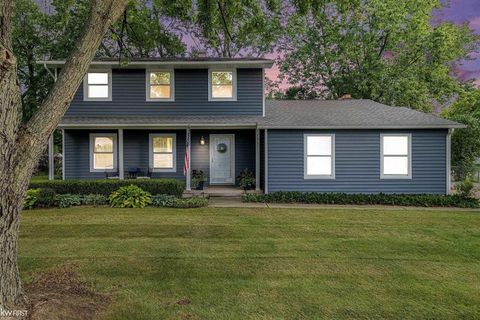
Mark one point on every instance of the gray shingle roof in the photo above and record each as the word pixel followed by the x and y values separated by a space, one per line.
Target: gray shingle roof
pixel 344 114
pixel 291 114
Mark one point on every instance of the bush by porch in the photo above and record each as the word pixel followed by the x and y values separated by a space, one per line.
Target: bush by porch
pixel 105 187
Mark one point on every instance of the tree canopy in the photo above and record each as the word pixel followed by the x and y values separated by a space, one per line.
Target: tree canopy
pixel 385 50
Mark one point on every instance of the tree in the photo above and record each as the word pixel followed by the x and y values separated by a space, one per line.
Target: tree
pixel 230 28
pixel 384 50
pixel 22 144
pixel 466 141
pixel 142 31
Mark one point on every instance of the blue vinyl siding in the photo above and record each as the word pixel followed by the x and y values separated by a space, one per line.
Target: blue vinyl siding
pixel 191 96
pixel 136 152
pixel 77 154
pixel 136 148
pixel 357 163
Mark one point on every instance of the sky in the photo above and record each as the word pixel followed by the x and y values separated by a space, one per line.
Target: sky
pixel 461 11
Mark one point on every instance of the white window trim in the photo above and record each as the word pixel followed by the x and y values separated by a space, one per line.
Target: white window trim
pixel 305 156
pixel 115 153
pixel 172 84
pixel 174 151
pixel 85 85
pixel 396 176
pixel 234 84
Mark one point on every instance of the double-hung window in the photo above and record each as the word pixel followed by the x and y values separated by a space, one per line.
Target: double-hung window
pixel 319 153
pixel 103 152
pixel 160 85
pixel 396 156
pixel 162 152
pixel 222 85
pixel 98 86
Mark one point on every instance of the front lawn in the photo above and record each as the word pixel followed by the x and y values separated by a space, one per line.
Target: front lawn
pixel 257 263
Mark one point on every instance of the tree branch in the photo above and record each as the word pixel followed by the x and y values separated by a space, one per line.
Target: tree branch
pixel 35 133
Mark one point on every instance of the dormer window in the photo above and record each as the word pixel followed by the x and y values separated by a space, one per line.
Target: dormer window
pixel 160 85
pixel 222 85
pixel 98 86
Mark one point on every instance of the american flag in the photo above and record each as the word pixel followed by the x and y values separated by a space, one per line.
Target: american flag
pixel 186 163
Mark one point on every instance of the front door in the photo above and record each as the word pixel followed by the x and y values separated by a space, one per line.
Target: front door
pixel 222 155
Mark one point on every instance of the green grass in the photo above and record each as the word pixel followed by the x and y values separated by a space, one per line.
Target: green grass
pixel 256 263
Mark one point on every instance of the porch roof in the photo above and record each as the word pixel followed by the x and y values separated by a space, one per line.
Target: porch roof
pixel 287 114
pixel 161 122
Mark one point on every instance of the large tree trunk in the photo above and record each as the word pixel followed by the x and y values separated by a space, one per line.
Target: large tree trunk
pixel 22 145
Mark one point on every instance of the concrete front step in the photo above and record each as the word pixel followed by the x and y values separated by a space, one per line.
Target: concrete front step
pixel 219 191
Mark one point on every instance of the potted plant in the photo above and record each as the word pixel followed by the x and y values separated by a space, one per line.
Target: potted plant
pixel 198 179
pixel 246 179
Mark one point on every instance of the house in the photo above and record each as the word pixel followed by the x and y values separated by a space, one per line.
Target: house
pixel 142 119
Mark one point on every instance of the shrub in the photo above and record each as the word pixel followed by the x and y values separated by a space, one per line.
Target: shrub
pixel 419 200
pixel 46 197
pixel 31 199
pixel 130 197
pixel 68 200
pixel 198 176
pixel 465 188
pixel 107 186
pixel 163 200
pixel 94 200
pixel 193 202
pixel 246 179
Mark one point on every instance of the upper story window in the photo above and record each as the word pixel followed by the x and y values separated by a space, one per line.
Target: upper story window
pixel 160 85
pixel 396 160
pixel 222 85
pixel 103 152
pixel 163 152
pixel 319 156
pixel 98 86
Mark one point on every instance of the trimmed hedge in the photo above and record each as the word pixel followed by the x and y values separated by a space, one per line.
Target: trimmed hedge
pixel 163 200
pixel 417 200
pixel 107 186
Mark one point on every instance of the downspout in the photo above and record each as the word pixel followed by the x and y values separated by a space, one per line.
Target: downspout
pixel 449 160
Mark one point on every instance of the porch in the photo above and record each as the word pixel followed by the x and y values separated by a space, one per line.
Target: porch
pixel 220 153
pixel 220 191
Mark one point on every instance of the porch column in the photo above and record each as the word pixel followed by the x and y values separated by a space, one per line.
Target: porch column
pixel 121 170
pixel 63 154
pixel 187 165
pixel 51 159
pixel 257 159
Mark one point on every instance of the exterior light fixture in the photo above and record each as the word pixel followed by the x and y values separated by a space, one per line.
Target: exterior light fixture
pixel 202 141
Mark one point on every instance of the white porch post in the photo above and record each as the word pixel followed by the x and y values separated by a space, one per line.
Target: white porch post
pixel 121 170
pixel 449 157
pixel 51 159
pixel 63 154
pixel 257 159
pixel 187 175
